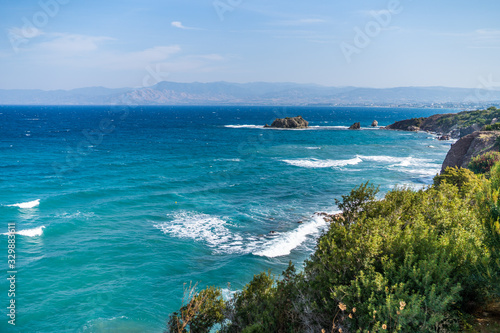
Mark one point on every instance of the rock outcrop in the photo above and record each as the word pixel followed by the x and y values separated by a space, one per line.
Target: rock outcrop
pixel 470 146
pixel 469 130
pixel 406 125
pixel 456 125
pixel 429 124
pixel 375 123
pixel 444 137
pixel 295 122
pixel 355 126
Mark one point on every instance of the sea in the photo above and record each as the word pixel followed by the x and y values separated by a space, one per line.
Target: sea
pixel 118 209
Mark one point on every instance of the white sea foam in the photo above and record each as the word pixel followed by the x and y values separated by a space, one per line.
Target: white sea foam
pixel 410 165
pixel 244 126
pixel 313 148
pixel 227 294
pixel 29 232
pixel 316 163
pixel 202 228
pixel 276 128
pixel 26 205
pixel 286 242
pixel 214 232
pixel 328 127
pixel 401 161
pixel 228 160
pixel 421 171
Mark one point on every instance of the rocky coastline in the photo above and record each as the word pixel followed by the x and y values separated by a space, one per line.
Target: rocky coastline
pixel 476 131
pixel 454 125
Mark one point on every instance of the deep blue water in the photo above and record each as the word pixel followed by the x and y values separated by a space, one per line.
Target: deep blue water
pixel 135 202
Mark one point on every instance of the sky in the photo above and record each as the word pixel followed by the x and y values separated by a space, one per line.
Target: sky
pixel 68 44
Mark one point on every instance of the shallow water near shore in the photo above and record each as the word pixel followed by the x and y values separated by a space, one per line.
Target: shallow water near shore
pixel 117 207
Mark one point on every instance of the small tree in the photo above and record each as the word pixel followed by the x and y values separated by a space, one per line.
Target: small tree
pixel 204 310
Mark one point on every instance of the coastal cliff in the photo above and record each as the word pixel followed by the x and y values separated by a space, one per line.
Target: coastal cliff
pixel 455 125
pixel 470 146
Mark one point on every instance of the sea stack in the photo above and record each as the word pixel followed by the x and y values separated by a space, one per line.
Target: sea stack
pixel 375 123
pixel 355 126
pixel 295 122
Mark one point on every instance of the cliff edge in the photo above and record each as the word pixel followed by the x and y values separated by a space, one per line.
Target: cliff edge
pixel 470 146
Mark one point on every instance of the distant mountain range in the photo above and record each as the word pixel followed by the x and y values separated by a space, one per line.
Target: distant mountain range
pixel 259 93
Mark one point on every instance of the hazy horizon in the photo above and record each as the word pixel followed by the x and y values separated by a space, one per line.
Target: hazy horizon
pixel 253 82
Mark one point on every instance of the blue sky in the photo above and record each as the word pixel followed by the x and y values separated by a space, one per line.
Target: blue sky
pixel 66 44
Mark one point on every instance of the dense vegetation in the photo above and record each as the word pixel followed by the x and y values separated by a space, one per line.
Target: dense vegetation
pixel 414 261
pixel 468 118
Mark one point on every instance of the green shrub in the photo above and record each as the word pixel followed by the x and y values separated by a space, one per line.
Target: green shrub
pixel 464 179
pixel 489 204
pixel 493 127
pixel 482 164
pixel 420 248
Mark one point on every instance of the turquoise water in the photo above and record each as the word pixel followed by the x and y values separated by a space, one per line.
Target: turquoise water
pixel 118 207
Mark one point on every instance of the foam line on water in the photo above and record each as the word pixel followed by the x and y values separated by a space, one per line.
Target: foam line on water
pixel 29 232
pixel 316 163
pixel 26 205
pixel 244 126
pixel 392 159
pixel 286 242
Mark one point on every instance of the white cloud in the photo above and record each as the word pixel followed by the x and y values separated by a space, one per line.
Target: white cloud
pixel 179 25
pixel 138 59
pixel 82 58
pixel 71 43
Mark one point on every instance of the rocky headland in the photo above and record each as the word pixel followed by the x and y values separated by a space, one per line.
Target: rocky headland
pixel 478 133
pixel 453 125
pixel 295 122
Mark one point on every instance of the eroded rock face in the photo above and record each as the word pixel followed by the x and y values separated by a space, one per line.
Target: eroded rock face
pixel 355 126
pixel 470 146
pixel 375 123
pixel 469 130
pixel 295 122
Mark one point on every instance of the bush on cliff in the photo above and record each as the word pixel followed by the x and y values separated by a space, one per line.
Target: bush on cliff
pixel 414 261
pixel 492 127
pixel 414 248
pixel 482 164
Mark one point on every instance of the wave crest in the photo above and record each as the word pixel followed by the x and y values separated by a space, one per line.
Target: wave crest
pixel 26 205
pixel 29 232
pixel 316 163
pixel 214 232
